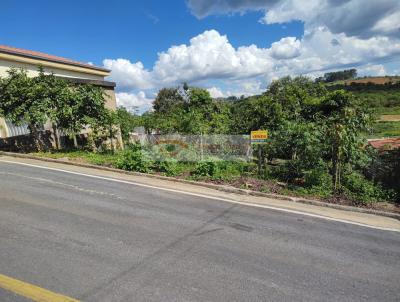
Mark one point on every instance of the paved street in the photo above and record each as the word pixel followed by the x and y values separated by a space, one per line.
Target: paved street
pixel 97 240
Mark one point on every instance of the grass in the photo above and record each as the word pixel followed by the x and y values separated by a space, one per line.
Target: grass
pixel 385 129
pixel 103 159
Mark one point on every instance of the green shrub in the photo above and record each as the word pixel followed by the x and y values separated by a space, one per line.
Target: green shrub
pixel 133 159
pixel 361 190
pixel 205 169
pixel 169 168
pixel 227 170
pixel 318 181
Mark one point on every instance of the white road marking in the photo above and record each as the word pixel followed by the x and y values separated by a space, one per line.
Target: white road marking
pixel 207 196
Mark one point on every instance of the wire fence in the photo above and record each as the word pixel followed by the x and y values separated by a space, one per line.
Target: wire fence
pixel 195 147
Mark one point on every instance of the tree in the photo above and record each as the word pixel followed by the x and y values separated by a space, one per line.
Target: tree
pixel 56 89
pixel 25 100
pixel 82 105
pixel 342 119
pixel 126 121
pixel 190 111
pixel 166 99
pixel 338 75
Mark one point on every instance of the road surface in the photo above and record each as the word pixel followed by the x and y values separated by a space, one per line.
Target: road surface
pixel 97 240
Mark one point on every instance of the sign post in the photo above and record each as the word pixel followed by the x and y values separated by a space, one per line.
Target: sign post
pixel 259 137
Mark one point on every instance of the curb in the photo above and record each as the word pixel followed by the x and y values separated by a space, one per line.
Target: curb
pixel 222 188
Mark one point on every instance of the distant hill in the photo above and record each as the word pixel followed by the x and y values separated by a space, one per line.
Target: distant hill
pixel 382 94
pixel 374 80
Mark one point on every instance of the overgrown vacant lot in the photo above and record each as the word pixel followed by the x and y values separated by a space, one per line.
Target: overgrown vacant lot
pixel 237 174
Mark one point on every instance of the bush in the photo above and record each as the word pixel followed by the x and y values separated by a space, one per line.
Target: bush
pixel 169 168
pixel 361 190
pixel 318 181
pixel 133 159
pixel 227 170
pixel 205 169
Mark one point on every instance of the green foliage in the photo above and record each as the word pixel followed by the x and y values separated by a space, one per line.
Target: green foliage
pixel 382 99
pixel 205 169
pixel 169 167
pixel 385 129
pixel 25 100
pixel 192 111
pixel 228 170
pixel 316 140
pixel 361 190
pixel 219 170
pixel 126 121
pixel 167 99
pixel 385 169
pixel 133 159
pixel 34 100
pixel 318 181
pixel 338 75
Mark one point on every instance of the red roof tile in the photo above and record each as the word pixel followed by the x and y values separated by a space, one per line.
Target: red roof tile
pixel 385 143
pixel 46 57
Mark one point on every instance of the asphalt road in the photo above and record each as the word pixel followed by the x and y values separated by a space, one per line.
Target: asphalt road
pixel 96 240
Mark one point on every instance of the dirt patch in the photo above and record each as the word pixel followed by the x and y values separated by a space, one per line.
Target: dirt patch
pixel 390 118
pixel 374 80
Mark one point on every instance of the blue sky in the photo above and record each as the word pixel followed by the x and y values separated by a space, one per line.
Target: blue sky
pixel 229 47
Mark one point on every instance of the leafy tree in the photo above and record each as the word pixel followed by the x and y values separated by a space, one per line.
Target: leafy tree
pixel 342 120
pixel 338 75
pixel 195 113
pixel 82 105
pixel 126 121
pixel 24 100
pixel 166 99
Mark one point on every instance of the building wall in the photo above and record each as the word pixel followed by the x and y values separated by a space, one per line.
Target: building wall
pixel 3 128
pixel 32 70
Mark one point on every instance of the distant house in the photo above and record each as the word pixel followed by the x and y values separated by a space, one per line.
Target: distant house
pixel 72 71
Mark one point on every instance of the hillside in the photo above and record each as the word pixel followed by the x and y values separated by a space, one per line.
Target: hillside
pixel 382 94
pixel 374 80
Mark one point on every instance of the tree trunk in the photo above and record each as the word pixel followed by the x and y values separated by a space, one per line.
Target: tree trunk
pixel 75 141
pixel 112 138
pixel 56 136
pixel 35 136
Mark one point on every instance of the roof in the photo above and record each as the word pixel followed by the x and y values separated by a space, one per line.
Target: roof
pixel 46 57
pixel 385 143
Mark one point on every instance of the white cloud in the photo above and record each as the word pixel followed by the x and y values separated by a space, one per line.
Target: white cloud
pixel 128 75
pixel 372 70
pixel 361 18
pixel 215 92
pixel 286 48
pixel 132 100
pixel 209 58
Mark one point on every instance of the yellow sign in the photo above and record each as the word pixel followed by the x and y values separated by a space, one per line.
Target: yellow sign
pixel 259 136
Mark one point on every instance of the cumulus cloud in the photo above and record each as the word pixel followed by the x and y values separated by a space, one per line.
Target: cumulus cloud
pixel 245 70
pixel 134 100
pixel 286 48
pixel 359 18
pixel 210 56
pixel 129 75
